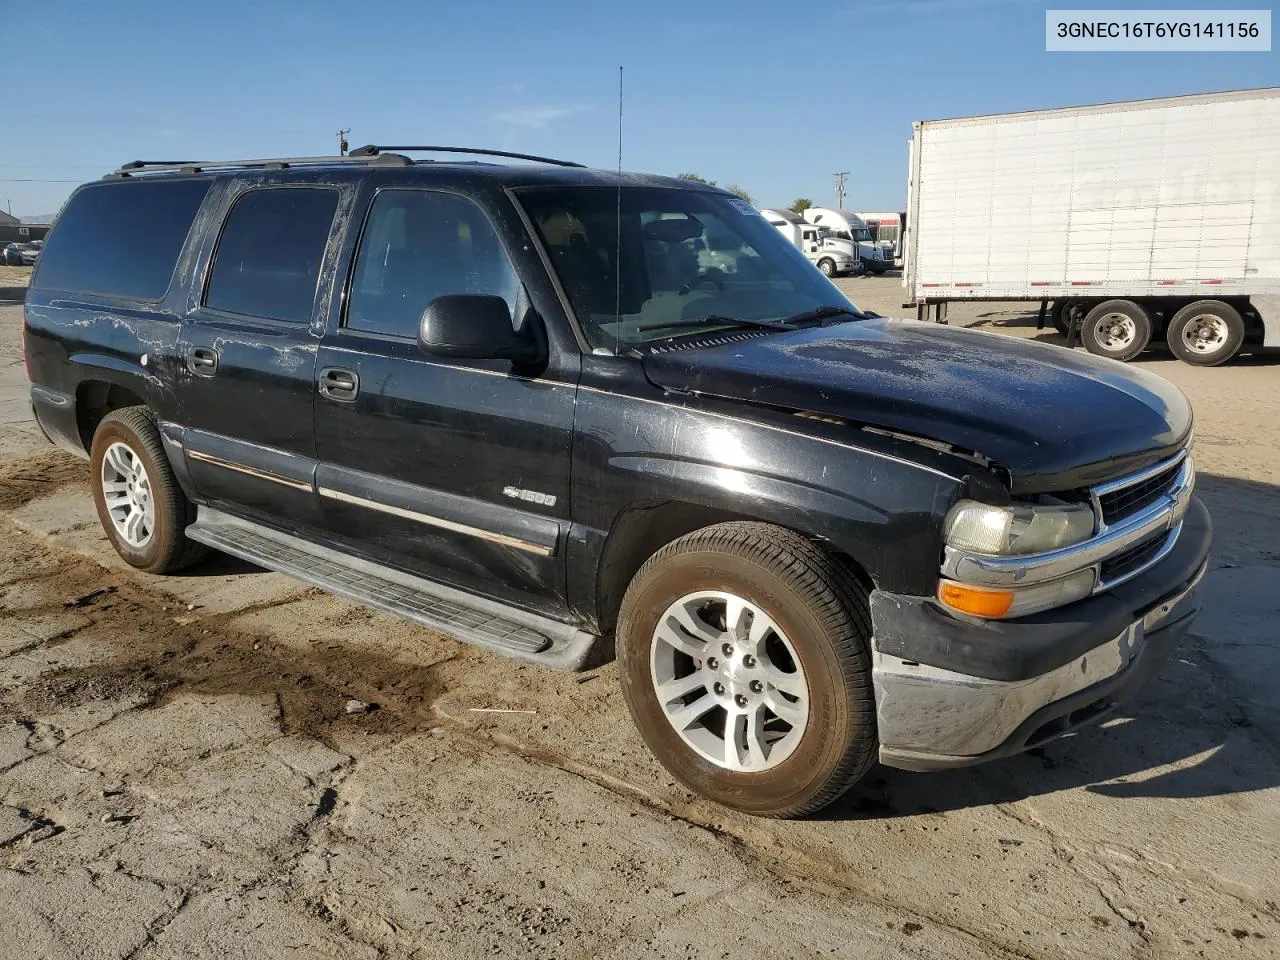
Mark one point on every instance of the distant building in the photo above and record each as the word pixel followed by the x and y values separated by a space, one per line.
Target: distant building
pixel 13 230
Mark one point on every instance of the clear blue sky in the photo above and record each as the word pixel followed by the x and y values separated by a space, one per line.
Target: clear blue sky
pixel 770 95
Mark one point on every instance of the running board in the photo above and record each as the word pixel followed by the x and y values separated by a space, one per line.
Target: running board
pixel 479 621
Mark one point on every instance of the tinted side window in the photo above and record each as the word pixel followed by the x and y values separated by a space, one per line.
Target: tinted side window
pixel 121 239
pixel 419 245
pixel 268 258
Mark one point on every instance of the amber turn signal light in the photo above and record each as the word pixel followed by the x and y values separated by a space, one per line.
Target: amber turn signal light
pixel 975 601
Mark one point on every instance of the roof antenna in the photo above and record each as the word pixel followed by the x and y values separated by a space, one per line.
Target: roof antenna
pixel 617 259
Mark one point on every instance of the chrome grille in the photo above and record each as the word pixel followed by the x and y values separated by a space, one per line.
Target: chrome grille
pixel 1119 567
pixel 1118 504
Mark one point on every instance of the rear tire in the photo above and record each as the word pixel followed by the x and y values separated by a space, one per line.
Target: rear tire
pixel 1119 329
pixel 141 506
pixel 1206 333
pixel 803 615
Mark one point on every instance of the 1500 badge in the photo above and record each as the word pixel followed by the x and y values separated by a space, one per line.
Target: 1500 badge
pixel 532 496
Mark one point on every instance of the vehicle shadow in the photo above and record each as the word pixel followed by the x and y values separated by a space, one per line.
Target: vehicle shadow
pixel 219 565
pixel 1142 753
pixel 1158 746
pixel 1207 725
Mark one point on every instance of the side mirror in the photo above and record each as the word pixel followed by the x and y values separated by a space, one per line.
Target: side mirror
pixel 476 327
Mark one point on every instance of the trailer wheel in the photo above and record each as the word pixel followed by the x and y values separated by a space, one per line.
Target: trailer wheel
pixel 1119 329
pixel 1206 333
pixel 827 266
pixel 1058 315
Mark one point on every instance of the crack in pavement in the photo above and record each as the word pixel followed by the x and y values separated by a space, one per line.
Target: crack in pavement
pixel 1125 913
pixel 157 927
pixel 1070 857
pixel 37 824
pixel 71 739
pixel 49 641
pixel 1068 854
pixel 1224 684
pixel 306 839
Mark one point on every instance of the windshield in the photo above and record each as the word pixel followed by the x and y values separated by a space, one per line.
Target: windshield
pixel 862 234
pixel 686 255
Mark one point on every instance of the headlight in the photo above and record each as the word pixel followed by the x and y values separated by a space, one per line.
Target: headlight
pixel 1017 530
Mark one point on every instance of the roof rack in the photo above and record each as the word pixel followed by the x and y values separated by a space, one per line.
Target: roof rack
pixel 374 150
pixel 271 163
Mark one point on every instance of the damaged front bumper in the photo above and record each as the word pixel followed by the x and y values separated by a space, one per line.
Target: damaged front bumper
pixel 952 693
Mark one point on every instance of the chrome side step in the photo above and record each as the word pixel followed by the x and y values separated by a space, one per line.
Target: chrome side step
pixel 476 620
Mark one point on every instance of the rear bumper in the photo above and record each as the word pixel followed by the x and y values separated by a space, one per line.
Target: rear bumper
pixel 983 691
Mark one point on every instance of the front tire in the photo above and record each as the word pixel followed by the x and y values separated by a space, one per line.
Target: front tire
pixel 744 655
pixel 828 267
pixel 1206 333
pixel 140 504
pixel 1119 329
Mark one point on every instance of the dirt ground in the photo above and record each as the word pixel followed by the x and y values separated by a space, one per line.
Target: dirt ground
pixel 14 276
pixel 179 776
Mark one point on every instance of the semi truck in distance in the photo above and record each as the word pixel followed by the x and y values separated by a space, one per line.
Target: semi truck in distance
pixel 832 254
pixel 887 230
pixel 847 225
pixel 1142 221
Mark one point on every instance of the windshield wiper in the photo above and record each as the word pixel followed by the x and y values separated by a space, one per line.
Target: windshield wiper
pixel 719 320
pixel 822 313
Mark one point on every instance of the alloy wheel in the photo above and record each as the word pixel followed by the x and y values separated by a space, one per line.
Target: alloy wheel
pixel 126 489
pixel 729 681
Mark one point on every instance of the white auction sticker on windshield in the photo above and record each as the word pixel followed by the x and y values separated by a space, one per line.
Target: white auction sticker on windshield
pixel 743 207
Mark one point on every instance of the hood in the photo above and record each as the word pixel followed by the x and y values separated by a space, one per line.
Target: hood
pixel 1055 419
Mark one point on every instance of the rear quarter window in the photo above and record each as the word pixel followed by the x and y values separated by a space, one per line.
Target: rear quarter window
pixel 269 255
pixel 121 239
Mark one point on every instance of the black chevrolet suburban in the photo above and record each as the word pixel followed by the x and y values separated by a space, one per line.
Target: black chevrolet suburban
pixel 564 414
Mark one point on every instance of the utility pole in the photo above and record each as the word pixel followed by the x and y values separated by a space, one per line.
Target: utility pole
pixel 840 178
pixel 342 142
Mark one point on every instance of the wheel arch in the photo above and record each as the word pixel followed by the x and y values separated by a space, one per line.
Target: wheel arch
pixel 97 398
pixel 645 527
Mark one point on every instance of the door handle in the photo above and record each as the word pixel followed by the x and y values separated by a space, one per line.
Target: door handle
pixel 202 361
pixel 338 384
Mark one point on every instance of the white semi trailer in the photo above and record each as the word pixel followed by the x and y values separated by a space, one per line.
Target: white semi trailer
pixel 1140 221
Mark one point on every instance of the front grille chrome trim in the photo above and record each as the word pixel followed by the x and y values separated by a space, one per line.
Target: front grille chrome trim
pixel 1133 479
